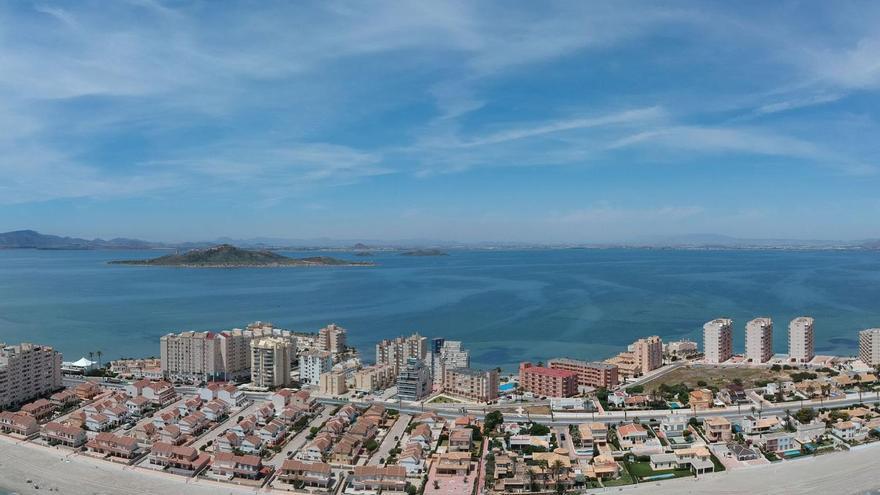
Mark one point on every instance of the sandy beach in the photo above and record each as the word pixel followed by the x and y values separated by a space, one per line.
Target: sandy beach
pixel 81 475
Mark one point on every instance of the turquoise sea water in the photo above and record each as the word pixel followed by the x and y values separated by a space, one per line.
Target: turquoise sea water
pixel 506 306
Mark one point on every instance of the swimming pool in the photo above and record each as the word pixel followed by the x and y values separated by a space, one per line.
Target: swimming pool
pixel 791 452
pixel 507 387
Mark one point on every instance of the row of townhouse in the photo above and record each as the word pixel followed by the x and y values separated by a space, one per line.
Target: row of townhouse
pixel 112 445
pixel 310 475
pixel 55 433
pixel 18 423
pixel 177 458
pixel 228 465
pixel 160 393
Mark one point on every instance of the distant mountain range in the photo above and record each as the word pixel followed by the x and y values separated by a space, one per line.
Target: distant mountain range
pixel 30 239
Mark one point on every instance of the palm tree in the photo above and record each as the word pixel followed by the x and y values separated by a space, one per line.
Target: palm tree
pixel 99 354
pixel 91 356
pixel 557 470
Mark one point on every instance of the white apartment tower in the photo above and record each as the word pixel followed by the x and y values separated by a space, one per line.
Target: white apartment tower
pixel 759 340
pixel 800 339
pixel 270 362
pixel 414 380
pixel 395 353
pixel 869 346
pixel 718 340
pixel 312 364
pixel 27 371
pixel 450 356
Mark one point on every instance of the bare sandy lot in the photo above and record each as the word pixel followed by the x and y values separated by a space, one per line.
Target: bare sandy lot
pixel 64 473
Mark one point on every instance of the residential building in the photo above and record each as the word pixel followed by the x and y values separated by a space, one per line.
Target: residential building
pixel 717 429
pixel 159 393
pixel 228 465
pixel 648 353
pixel 454 464
pixel 114 445
pixel 313 475
pixel 57 433
pixel 39 409
pixel 332 383
pixel 681 348
pixel 332 339
pixel 590 374
pixel 759 340
pixel 373 378
pixel 378 479
pixel 396 352
pixel 451 355
pixel 800 340
pixel 27 371
pixel 547 382
pixel 312 364
pixel 150 368
pixel 460 439
pixel 470 384
pixel 631 434
pixel 202 356
pixel 701 398
pixel 185 460
pixel 18 423
pixel 777 442
pixel 414 380
pixel 718 340
pixel 270 362
pixel 869 347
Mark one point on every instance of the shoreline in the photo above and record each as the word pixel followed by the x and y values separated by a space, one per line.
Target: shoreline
pixel 72 474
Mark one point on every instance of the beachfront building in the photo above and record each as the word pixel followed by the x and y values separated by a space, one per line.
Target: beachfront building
pixel 648 353
pixel 800 340
pixel 869 346
pixel 450 355
pixel 309 475
pixel 718 340
pixel 470 384
pixel 414 380
pixel 149 368
pixel 312 364
pixel 373 378
pixel 396 352
pixel 270 362
pixel 332 383
pixel 642 356
pixel 332 339
pixel 27 371
pixel 759 340
pixel 590 374
pixel 202 356
pixel 681 348
pixel 547 381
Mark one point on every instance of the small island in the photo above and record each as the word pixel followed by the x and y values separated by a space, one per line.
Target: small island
pixel 227 256
pixel 424 252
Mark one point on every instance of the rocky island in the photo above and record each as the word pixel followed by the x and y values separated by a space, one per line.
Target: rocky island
pixel 424 252
pixel 227 256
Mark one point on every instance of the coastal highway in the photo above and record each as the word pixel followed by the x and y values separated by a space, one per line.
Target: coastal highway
pixel 568 418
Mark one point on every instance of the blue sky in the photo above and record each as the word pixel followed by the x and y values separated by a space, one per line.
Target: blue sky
pixel 470 121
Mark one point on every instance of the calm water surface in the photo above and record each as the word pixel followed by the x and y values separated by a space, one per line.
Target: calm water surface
pixel 505 305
